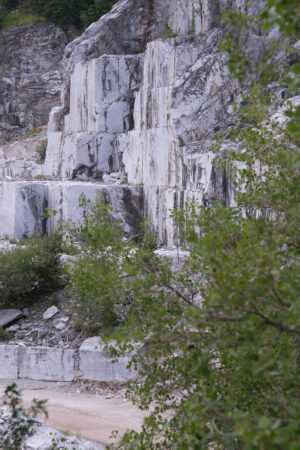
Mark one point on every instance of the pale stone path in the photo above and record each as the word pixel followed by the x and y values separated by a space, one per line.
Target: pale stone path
pixel 89 417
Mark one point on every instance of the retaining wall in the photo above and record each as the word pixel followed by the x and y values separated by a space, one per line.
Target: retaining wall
pixel 59 364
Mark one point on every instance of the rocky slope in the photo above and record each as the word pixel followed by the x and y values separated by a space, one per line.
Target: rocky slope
pixel 31 76
pixel 144 90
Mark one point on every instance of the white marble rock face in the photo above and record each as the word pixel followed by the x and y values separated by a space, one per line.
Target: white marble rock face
pixel 144 90
pixel 23 205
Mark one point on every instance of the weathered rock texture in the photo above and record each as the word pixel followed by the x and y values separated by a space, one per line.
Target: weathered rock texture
pixel 23 205
pixel 31 76
pixel 144 90
pixel 60 364
pixel 149 115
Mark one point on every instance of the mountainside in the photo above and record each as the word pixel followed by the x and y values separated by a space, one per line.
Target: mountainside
pixel 145 88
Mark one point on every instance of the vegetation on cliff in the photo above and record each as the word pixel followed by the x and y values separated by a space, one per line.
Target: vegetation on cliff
pixel 225 374
pixel 64 13
pixel 30 270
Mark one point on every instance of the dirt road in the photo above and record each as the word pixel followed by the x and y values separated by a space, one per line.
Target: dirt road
pixel 89 416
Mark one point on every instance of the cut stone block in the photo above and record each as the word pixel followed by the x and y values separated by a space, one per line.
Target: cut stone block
pixel 95 363
pixel 9 362
pixel 44 363
pixel 9 316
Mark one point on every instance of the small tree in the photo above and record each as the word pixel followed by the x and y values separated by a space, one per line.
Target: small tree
pixel 226 375
pixel 97 279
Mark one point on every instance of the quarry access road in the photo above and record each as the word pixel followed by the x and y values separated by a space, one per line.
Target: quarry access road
pixel 89 416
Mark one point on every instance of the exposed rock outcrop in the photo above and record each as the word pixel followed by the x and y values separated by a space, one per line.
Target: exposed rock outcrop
pixel 150 115
pixel 31 76
pixel 144 90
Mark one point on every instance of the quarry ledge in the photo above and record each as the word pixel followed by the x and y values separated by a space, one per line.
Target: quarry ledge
pixel 23 205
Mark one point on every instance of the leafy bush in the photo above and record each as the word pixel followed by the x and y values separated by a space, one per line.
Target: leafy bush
pixel 221 335
pixel 31 270
pixel 97 279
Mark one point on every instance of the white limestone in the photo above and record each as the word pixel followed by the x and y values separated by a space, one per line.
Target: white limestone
pixel 42 363
pixel 141 104
pixel 95 363
pixel 101 96
pixel 22 208
pixel 8 361
pixel 44 438
pixel 50 312
pixel 23 205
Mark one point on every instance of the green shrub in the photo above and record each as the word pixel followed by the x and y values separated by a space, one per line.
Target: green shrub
pixel 4 335
pixel 97 280
pixel 42 149
pixel 30 271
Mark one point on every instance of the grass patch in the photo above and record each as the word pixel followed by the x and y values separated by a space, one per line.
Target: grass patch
pixel 17 18
pixel 168 33
pixel 31 133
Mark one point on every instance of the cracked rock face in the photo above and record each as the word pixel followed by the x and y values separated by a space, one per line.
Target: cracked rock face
pixel 31 76
pixel 145 89
pixel 149 115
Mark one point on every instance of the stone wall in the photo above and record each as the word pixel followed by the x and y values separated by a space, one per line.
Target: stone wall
pixel 60 364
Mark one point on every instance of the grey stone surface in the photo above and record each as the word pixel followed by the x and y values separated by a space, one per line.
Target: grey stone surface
pixel 23 205
pixel 9 316
pixel 22 159
pixel 31 76
pixel 42 363
pixel 149 116
pixel 95 364
pixel 9 361
pixel 140 103
pixel 50 312
pixel 44 437
pixel 61 323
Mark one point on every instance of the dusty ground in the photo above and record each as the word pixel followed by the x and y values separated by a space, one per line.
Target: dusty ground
pixel 90 411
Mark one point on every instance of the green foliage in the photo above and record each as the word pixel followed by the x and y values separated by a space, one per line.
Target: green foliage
pixel 31 270
pixel 20 423
pixel 168 33
pixel 79 13
pixel 41 150
pixel 97 278
pixel 225 375
pixel 4 335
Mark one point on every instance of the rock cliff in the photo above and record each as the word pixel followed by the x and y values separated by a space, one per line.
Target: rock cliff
pixel 31 76
pixel 144 90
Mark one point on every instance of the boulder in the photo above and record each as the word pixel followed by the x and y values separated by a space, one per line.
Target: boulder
pixel 50 312
pixel 61 323
pixel 9 316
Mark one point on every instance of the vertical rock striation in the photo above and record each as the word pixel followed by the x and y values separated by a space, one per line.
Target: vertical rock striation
pixel 31 76
pixel 145 88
